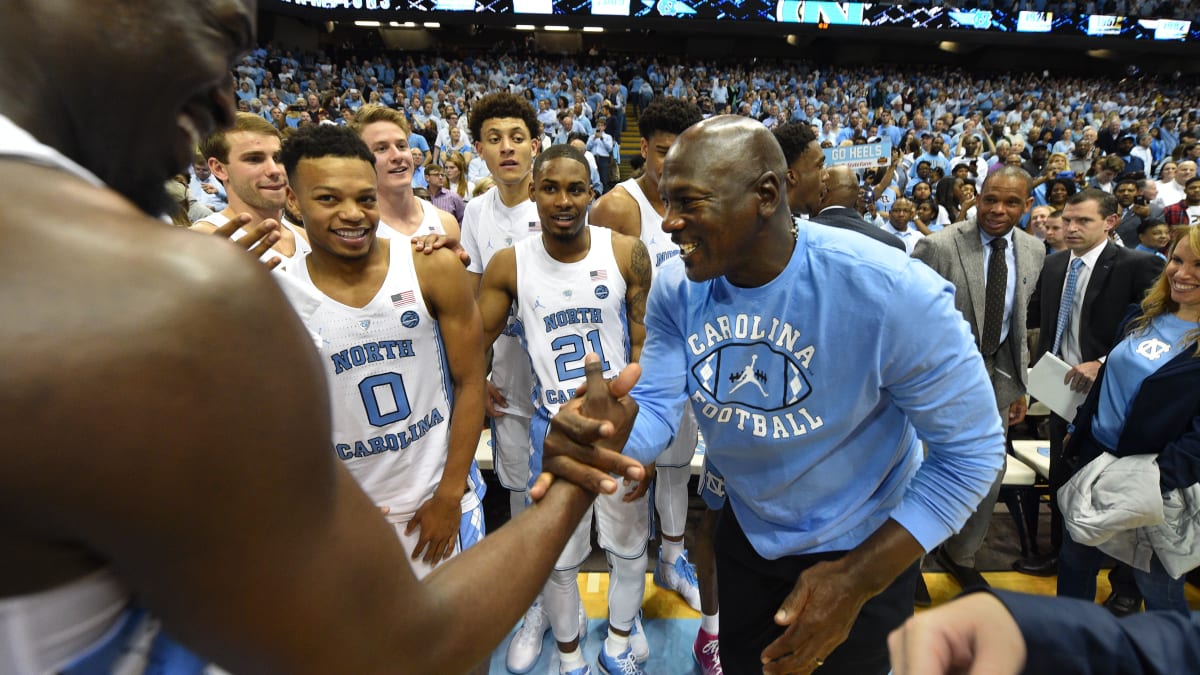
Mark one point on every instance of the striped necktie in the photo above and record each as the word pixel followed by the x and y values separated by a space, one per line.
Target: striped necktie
pixel 1065 304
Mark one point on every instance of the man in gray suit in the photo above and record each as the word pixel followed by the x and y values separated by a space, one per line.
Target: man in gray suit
pixel 994 268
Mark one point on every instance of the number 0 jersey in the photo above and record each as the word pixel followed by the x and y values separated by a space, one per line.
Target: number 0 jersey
pixel 389 385
pixel 567 310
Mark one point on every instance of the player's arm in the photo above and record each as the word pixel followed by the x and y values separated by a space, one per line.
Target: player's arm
pixel 497 291
pixel 617 211
pixel 226 511
pixel 635 264
pixel 449 298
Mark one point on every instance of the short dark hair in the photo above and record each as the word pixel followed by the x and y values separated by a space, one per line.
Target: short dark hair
pixel 1147 224
pixel 1104 201
pixel 1011 172
pixel 794 138
pixel 668 115
pixel 323 140
pixel 561 151
pixel 503 104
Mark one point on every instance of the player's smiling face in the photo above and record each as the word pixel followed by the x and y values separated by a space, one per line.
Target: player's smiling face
pixel 562 192
pixel 393 159
pixel 336 199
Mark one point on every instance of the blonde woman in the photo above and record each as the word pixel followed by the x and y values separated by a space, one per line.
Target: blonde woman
pixel 1145 401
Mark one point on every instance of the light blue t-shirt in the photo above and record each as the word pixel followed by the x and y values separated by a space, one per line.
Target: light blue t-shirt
pixel 1134 359
pixel 814 391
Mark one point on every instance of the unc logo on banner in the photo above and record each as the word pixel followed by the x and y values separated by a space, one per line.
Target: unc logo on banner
pixel 827 13
pixel 752 375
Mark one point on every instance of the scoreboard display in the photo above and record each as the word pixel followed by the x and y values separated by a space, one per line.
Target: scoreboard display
pixel 821 14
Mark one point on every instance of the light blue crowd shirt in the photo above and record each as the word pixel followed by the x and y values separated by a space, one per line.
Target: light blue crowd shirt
pixel 1134 359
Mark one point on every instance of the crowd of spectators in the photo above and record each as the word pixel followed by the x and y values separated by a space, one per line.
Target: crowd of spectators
pixel 944 123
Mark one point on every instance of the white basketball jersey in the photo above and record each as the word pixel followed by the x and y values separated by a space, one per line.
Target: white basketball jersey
pixel 567 310
pixel 489 225
pixel 658 243
pixel 302 246
pixel 389 386
pixel 430 224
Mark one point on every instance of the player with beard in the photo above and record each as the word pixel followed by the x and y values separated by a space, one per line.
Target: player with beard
pixel 506 131
pixel 633 207
pixel 578 290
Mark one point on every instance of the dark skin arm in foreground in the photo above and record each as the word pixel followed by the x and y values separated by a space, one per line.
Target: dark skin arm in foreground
pixel 160 447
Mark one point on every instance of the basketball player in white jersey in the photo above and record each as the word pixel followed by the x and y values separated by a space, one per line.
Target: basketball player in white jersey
pixel 634 208
pixel 246 161
pixel 399 339
pixel 149 459
pixel 579 290
pixel 402 214
pixel 505 128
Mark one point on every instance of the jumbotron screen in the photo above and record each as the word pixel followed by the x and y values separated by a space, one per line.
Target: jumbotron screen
pixel 790 11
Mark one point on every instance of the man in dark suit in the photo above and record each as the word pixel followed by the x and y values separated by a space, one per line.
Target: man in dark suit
pixel 839 207
pixel 994 268
pixel 1082 327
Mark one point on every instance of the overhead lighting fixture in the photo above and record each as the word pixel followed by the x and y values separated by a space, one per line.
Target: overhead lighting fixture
pixel 367 24
pixel 395 24
pixel 952 47
pixel 526 26
pixel 432 24
pixel 593 29
pixel 558 29
pixel 1101 53
pixel 410 24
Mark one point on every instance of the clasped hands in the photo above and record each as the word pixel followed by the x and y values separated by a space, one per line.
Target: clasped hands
pixel 584 442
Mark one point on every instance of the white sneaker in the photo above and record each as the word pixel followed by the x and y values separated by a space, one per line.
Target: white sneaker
pixel 637 640
pixel 680 577
pixel 526 644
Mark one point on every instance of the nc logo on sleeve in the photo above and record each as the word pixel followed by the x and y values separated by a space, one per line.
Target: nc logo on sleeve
pixel 752 375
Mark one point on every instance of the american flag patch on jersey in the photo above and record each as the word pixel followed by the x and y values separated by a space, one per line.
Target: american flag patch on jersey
pixel 535 226
pixel 599 275
pixel 403 298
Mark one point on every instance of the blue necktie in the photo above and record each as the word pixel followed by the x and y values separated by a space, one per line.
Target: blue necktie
pixel 1065 303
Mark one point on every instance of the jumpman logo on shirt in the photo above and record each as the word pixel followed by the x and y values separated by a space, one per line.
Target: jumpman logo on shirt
pixel 749 375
